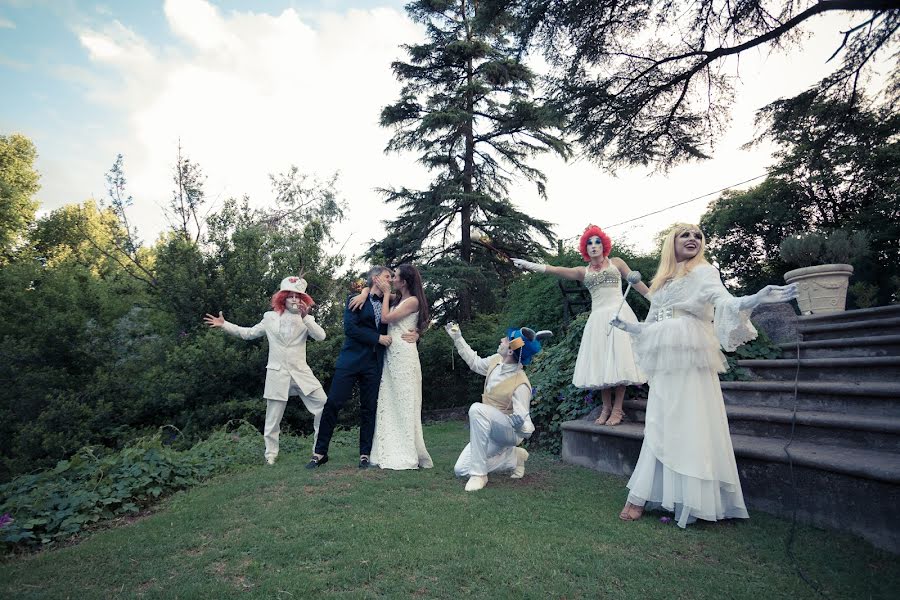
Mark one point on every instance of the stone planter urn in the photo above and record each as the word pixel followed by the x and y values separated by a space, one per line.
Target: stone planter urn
pixel 822 288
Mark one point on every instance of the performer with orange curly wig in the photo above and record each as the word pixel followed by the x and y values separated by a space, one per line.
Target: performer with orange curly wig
pixel 605 360
pixel 287 328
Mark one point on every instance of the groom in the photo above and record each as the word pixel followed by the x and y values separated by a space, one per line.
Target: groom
pixel 361 360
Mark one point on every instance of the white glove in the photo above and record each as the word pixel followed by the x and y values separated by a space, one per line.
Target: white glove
pixel 771 294
pixel 529 266
pixel 633 328
pixel 453 331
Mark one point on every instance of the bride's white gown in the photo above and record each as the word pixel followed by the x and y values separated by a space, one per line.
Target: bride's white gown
pixel 398 442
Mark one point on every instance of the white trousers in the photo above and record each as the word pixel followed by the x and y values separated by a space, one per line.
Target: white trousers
pixel 492 443
pixel 314 403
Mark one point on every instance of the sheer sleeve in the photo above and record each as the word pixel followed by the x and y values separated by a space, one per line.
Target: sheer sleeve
pixel 732 324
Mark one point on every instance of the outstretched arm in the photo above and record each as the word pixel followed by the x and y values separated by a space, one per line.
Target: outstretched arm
pixel 624 270
pixel 475 362
pixel 574 273
pixel 246 333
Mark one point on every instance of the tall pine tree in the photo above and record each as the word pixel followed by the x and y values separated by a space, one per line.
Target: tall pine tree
pixel 467 108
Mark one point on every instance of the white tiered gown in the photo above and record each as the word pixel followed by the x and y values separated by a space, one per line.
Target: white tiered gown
pixel 687 463
pixel 398 442
pixel 605 357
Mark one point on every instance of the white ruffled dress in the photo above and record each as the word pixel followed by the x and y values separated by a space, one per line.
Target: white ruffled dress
pixel 687 463
pixel 605 357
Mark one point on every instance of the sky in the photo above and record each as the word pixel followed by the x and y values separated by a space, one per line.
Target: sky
pixel 250 88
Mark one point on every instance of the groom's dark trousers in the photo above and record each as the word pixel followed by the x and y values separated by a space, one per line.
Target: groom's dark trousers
pixel 361 360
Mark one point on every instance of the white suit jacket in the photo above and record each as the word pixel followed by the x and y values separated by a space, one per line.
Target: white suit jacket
pixel 287 335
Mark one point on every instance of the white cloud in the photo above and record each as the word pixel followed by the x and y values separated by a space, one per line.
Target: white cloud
pixel 6 24
pixel 251 93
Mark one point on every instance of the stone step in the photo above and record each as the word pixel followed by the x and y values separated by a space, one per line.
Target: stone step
pixel 829 330
pixel 876 345
pixel 827 480
pixel 848 430
pixel 873 399
pixel 878 368
pixel 859 314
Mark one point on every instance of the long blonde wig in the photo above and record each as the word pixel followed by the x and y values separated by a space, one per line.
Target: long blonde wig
pixel 668 266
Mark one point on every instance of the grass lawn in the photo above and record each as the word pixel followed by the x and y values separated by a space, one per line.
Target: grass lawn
pixel 284 532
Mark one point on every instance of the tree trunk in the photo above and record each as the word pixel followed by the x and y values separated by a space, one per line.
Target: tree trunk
pixel 465 297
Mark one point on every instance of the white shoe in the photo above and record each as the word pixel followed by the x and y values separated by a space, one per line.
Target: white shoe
pixel 270 460
pixel 476 482
pixel 521 457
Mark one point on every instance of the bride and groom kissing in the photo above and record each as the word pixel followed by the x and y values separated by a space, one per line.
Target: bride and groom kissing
pixel 381 328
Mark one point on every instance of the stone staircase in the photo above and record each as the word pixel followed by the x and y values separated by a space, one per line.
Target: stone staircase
pixel 846 436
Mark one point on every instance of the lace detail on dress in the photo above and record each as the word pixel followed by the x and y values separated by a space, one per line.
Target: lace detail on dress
pixel 733 326
pixel 398 442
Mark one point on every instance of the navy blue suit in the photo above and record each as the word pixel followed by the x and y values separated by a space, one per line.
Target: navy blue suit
pixel 361 360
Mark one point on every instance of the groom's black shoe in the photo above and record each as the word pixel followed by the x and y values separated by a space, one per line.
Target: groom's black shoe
pixel 317 461
pixel 364 462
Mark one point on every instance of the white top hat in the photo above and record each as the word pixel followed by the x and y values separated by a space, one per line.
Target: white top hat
pixel 293 284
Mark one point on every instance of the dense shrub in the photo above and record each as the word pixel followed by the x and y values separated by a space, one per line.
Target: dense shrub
pixel 96 484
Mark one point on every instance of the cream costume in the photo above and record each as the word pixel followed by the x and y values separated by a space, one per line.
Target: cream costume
pixel 687 463
pixel 287 373
pixel 502 420
pixel 605 358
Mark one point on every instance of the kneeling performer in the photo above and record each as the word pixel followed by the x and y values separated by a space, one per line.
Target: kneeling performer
pixel 501 421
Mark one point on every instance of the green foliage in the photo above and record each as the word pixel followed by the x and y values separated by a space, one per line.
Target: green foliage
pixel 652 83
pixel 863 295
pixel 94 485
pixel 836 169
pixel 466 108
pixel 760 348
pixel 18 185
pixel 555 400
pixel 101 340
pixel 448 382
pixel 839 246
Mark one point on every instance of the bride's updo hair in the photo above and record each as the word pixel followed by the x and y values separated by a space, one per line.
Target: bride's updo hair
pixel 668 265
pixel 413 280
pixel 590 232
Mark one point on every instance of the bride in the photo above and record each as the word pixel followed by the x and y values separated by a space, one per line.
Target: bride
pixel 398 442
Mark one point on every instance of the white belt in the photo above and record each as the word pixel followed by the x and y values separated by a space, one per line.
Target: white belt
pixel 669 313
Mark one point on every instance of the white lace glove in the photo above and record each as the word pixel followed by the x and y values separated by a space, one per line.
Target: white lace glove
pixel 771 294
pixel 632 328
pixel 453 331
pixel 529 266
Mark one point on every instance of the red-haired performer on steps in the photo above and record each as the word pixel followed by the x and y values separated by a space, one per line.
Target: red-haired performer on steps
pixel 605 361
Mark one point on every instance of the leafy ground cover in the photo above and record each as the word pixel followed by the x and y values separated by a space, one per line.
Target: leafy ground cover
pixel 284 532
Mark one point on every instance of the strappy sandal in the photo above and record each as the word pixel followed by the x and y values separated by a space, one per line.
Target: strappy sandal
pixel 616 417
pixel 631 512
pixel 604 415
